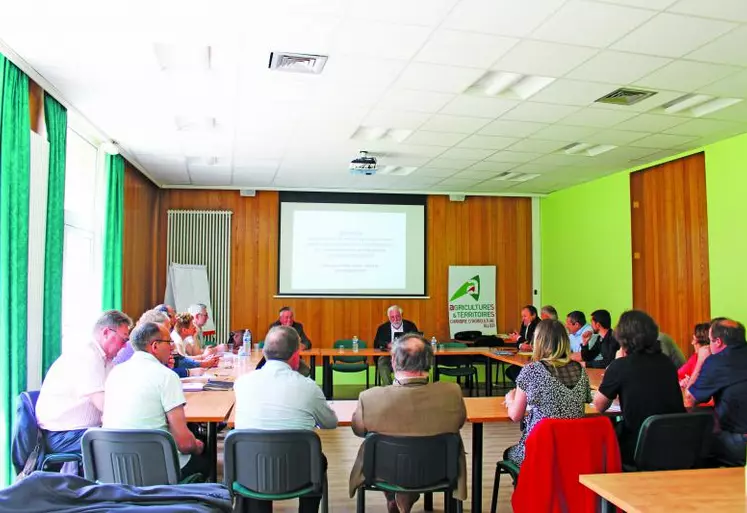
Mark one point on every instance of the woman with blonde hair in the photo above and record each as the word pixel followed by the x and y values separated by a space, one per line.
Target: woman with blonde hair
pixel 184 330
pixel 553 385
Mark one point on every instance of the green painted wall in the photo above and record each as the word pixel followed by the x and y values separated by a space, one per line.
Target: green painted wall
pixel 726 184
pixel 586 255
pixel 580 274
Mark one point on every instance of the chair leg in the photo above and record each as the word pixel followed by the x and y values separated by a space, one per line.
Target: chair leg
pixel 496 485
pixel 361 501
pixel 325 495
pixel 447 501
pixel 368 378
pixel 428 501
pixel 459 506
pixel 477 386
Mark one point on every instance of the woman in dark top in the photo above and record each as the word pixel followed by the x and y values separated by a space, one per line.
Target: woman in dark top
pixel 642 376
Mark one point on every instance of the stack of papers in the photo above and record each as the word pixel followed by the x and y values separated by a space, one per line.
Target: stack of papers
pixel 192 387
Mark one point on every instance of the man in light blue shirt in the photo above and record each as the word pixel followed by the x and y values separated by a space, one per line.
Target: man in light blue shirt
pixel 276 397
pixel 575 322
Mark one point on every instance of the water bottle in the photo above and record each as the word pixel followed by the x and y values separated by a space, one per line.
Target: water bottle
pixel 247 342
pixel 434 343
pixel 355 344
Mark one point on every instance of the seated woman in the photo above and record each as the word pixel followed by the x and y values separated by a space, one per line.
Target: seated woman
pixel 688 373
pixel 184 330
pixel 553 385
pixel 643 377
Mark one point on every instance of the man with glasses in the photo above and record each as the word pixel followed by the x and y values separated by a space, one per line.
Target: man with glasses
pixel 72 395
pixel 143 393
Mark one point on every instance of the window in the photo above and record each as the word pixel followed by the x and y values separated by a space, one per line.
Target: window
pixel 81 282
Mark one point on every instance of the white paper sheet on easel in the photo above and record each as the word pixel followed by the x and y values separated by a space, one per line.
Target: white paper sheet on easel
pixel 187 285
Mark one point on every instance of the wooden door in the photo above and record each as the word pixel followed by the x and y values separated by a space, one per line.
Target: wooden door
pixel 670 246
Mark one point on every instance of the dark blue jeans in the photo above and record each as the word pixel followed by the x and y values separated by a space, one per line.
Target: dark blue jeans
pixel 65 441
pixel 729 448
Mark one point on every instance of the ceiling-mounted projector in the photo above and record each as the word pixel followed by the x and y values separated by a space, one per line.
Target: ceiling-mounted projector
pixel 363 164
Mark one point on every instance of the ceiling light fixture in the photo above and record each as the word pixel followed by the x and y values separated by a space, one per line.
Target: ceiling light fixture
pixel 586 149
pixel 374 133
pixel 685 102
pixel 698 105
pixel 510 176
pixel 510 85
pixel 713 106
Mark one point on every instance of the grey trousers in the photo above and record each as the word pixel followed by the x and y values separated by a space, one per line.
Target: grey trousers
pixel 384 368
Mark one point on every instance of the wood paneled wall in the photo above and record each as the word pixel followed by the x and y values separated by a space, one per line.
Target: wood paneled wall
pixel 670 246
pixel 479 231
pixel 141 244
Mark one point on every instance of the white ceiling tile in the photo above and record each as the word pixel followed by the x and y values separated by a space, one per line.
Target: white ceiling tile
pixel 434 138
pixel 565 133
pixel 572 92
pixel 458 124
pixel 416 182
pixel 421 101
pixel 734 86
pixel 663 141
pixel 512 128
pixel 396 119
pixel 617 67
pixel 381 40
pixel 467 154
pixel 542 58
pixel 458 183
pixel 536 145
pixel 476 106
pixel 503 17
pixel 513 156
pixel 487 142
pixel 731 10
pixel 247 177
pixel 596 117
pixel 475 175
pixel 450 163
pixel 170 177
pixel 533 167
pixel 539 112
pixel 258 166
pixel 616 137
pixel 672 35
pixel 728 49
pixel 345 70
pixel 464 48
pixel 705 127
pixel 590 23
pixel 437 77
pixel 492 167
pixel 687 76
pixel 563 159
pixel 427 13
pixel 435 172
pixel 650 123
pixel 400 160
pixel 659 5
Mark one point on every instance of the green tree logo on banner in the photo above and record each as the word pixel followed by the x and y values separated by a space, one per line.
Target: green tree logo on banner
pixel 469 288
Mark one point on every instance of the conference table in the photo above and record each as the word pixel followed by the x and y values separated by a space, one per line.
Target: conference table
pixel 717 489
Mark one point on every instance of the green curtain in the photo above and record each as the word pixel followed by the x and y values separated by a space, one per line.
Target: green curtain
pixel 15 155
pixel 55 116
pixel 113 233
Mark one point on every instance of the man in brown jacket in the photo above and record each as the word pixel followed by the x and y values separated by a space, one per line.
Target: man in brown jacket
pixel 409 407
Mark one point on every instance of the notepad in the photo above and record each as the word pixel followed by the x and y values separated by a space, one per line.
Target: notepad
pixel 192 387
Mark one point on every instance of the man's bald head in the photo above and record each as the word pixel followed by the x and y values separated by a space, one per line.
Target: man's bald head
pixel 281 343
pixel 411 353
pixel 728 331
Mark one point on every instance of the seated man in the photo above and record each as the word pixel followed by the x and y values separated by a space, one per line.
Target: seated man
pixel 143 393
pixel 385 334
pixel 600 352
pixel 575 323
pixel 524 338
pixel 285 318
pixel 410 407
pixel 549 312
pixel 278 398
pixel 72 395
pixel 149 316
pixel 723 377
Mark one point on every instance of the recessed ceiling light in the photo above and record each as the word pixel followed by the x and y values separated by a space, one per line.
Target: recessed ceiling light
pixel 182 58
pixel 374 133
pixel 586 149
pixel 697 105
pixel 397 170
pixel 510 85
pixel 685 102
pixel 514 177
pixel 713 106
pixel 297 62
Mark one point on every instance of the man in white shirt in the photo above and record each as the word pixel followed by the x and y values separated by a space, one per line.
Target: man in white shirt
pixel 72 396
pixel 200 315
pixel 277 397
pixel 143 393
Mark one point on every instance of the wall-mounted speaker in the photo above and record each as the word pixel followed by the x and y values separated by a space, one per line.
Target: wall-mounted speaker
pixel 248 193
pixel 457 197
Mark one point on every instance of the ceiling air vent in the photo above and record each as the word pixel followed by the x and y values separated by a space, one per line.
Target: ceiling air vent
pixel 297 62
pixel 626 96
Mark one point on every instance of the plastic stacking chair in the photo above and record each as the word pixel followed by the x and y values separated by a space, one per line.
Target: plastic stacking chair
pixel 138 457
pixel 350 363
pixel 427 464
pixel 27 434
pixel 274 465
pixel 676 441
pixel 458 366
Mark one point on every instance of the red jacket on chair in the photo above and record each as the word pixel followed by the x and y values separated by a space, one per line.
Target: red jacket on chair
pixel 557 452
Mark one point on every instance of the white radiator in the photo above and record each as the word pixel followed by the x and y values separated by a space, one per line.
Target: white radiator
pixel 203 237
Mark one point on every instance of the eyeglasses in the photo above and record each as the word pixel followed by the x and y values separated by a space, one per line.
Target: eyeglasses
pixel 161 340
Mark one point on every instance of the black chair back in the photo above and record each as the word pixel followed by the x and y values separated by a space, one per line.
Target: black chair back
pixel 415 463
pixel 489 341
pixel 675 441
pixel 138 457
pixel 467 336
pixel 274 462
